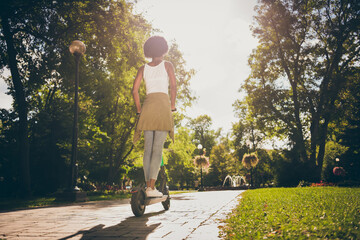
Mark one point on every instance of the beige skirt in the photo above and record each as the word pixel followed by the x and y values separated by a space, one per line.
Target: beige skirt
pixel 155 115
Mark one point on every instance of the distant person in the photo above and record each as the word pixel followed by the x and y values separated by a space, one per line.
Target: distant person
pixel 155 115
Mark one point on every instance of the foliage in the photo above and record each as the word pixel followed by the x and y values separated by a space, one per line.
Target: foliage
pixel 296 213
pixel 349 128
pixel 248 130
pixel 203 134
pixel 222 163
pixel 239 141
pixel 288 169
pixel 178 160
pixel 263 173
pixel 184 96
pixel 248 137
pixel 308 51
pixel 41 32
pixel 333 151
pixel 136 174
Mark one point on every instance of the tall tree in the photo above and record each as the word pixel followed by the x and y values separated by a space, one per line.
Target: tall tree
pixel 307 51
pixel 347 129
pixel 41 32
pixel 178 158
pixel 22 24
pixel 35 36
pixel 222 163
pixel 203 133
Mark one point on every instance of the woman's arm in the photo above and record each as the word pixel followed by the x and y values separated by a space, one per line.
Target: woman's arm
pixel 171 72
pixel 135 89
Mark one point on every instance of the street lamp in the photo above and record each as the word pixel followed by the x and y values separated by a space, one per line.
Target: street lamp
pixel 199 147
pixel 201 178
pixel 77 48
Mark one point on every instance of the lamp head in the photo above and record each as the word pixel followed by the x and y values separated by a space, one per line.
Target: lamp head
pixel 77 47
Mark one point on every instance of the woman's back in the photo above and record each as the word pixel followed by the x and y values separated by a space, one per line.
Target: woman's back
pixel 156 78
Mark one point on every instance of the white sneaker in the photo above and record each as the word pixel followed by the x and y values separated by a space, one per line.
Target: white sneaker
pixel 153 192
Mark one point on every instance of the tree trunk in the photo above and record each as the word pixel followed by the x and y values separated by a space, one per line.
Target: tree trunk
pixel 251 177
pixel 21 105
pixel 111 172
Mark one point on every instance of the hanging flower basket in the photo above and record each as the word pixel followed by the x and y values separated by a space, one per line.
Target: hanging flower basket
pixel 339 171
pixel 201 161
pixel 250 160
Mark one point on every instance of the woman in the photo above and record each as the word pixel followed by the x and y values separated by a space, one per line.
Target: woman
pixel 155 115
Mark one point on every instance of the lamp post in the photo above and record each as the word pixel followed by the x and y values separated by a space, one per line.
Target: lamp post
pixel 201 183
pixel 77 48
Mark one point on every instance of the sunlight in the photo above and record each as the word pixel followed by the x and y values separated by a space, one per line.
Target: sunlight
pixel 5 100
pixel 215 39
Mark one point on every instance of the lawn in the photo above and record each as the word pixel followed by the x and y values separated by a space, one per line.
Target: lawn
pixel 296 213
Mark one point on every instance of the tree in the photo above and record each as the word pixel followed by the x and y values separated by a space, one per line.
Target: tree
pixel 307 52
pixel 222 163
pixel 263 174
pixel 184 95
pixel 34 46
pixel 347 129
pixel 23 24
pixel 178 159
pixel 202 132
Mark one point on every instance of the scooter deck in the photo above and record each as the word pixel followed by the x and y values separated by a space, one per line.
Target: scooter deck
pixel 152 200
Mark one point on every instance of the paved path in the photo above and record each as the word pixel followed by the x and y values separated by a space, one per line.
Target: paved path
pixel 191 216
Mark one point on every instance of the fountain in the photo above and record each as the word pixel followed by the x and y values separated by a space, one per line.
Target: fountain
pixel 235 180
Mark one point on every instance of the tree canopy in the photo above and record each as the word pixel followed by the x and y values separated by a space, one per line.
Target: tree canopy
pixel 36 133
pixel 307 52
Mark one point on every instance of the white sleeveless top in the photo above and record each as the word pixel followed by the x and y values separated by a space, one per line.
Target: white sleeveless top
pixel 156 78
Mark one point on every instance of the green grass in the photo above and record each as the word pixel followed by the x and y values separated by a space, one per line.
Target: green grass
pixel 174 192
pixel 296 213
pixel 107 196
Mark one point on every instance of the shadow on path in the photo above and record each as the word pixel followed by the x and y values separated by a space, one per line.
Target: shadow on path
pixel 131 227
pixel 182 197
pixel 88 204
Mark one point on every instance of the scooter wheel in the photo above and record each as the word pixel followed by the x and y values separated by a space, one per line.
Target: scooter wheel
pixel 138 203
pixel 166 203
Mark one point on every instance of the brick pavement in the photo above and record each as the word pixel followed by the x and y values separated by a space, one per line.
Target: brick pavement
pixel 191 216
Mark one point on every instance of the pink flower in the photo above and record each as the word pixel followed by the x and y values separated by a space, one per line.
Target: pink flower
pixel 202 161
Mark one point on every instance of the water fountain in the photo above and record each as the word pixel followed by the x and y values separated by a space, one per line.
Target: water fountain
pixel 235 180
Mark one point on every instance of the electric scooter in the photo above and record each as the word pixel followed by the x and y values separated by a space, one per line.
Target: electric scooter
pixel 139 200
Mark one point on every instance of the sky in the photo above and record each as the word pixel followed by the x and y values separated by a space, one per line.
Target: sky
pixel 215 39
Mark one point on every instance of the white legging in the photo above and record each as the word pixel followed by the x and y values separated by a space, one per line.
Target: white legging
pixel 154 142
